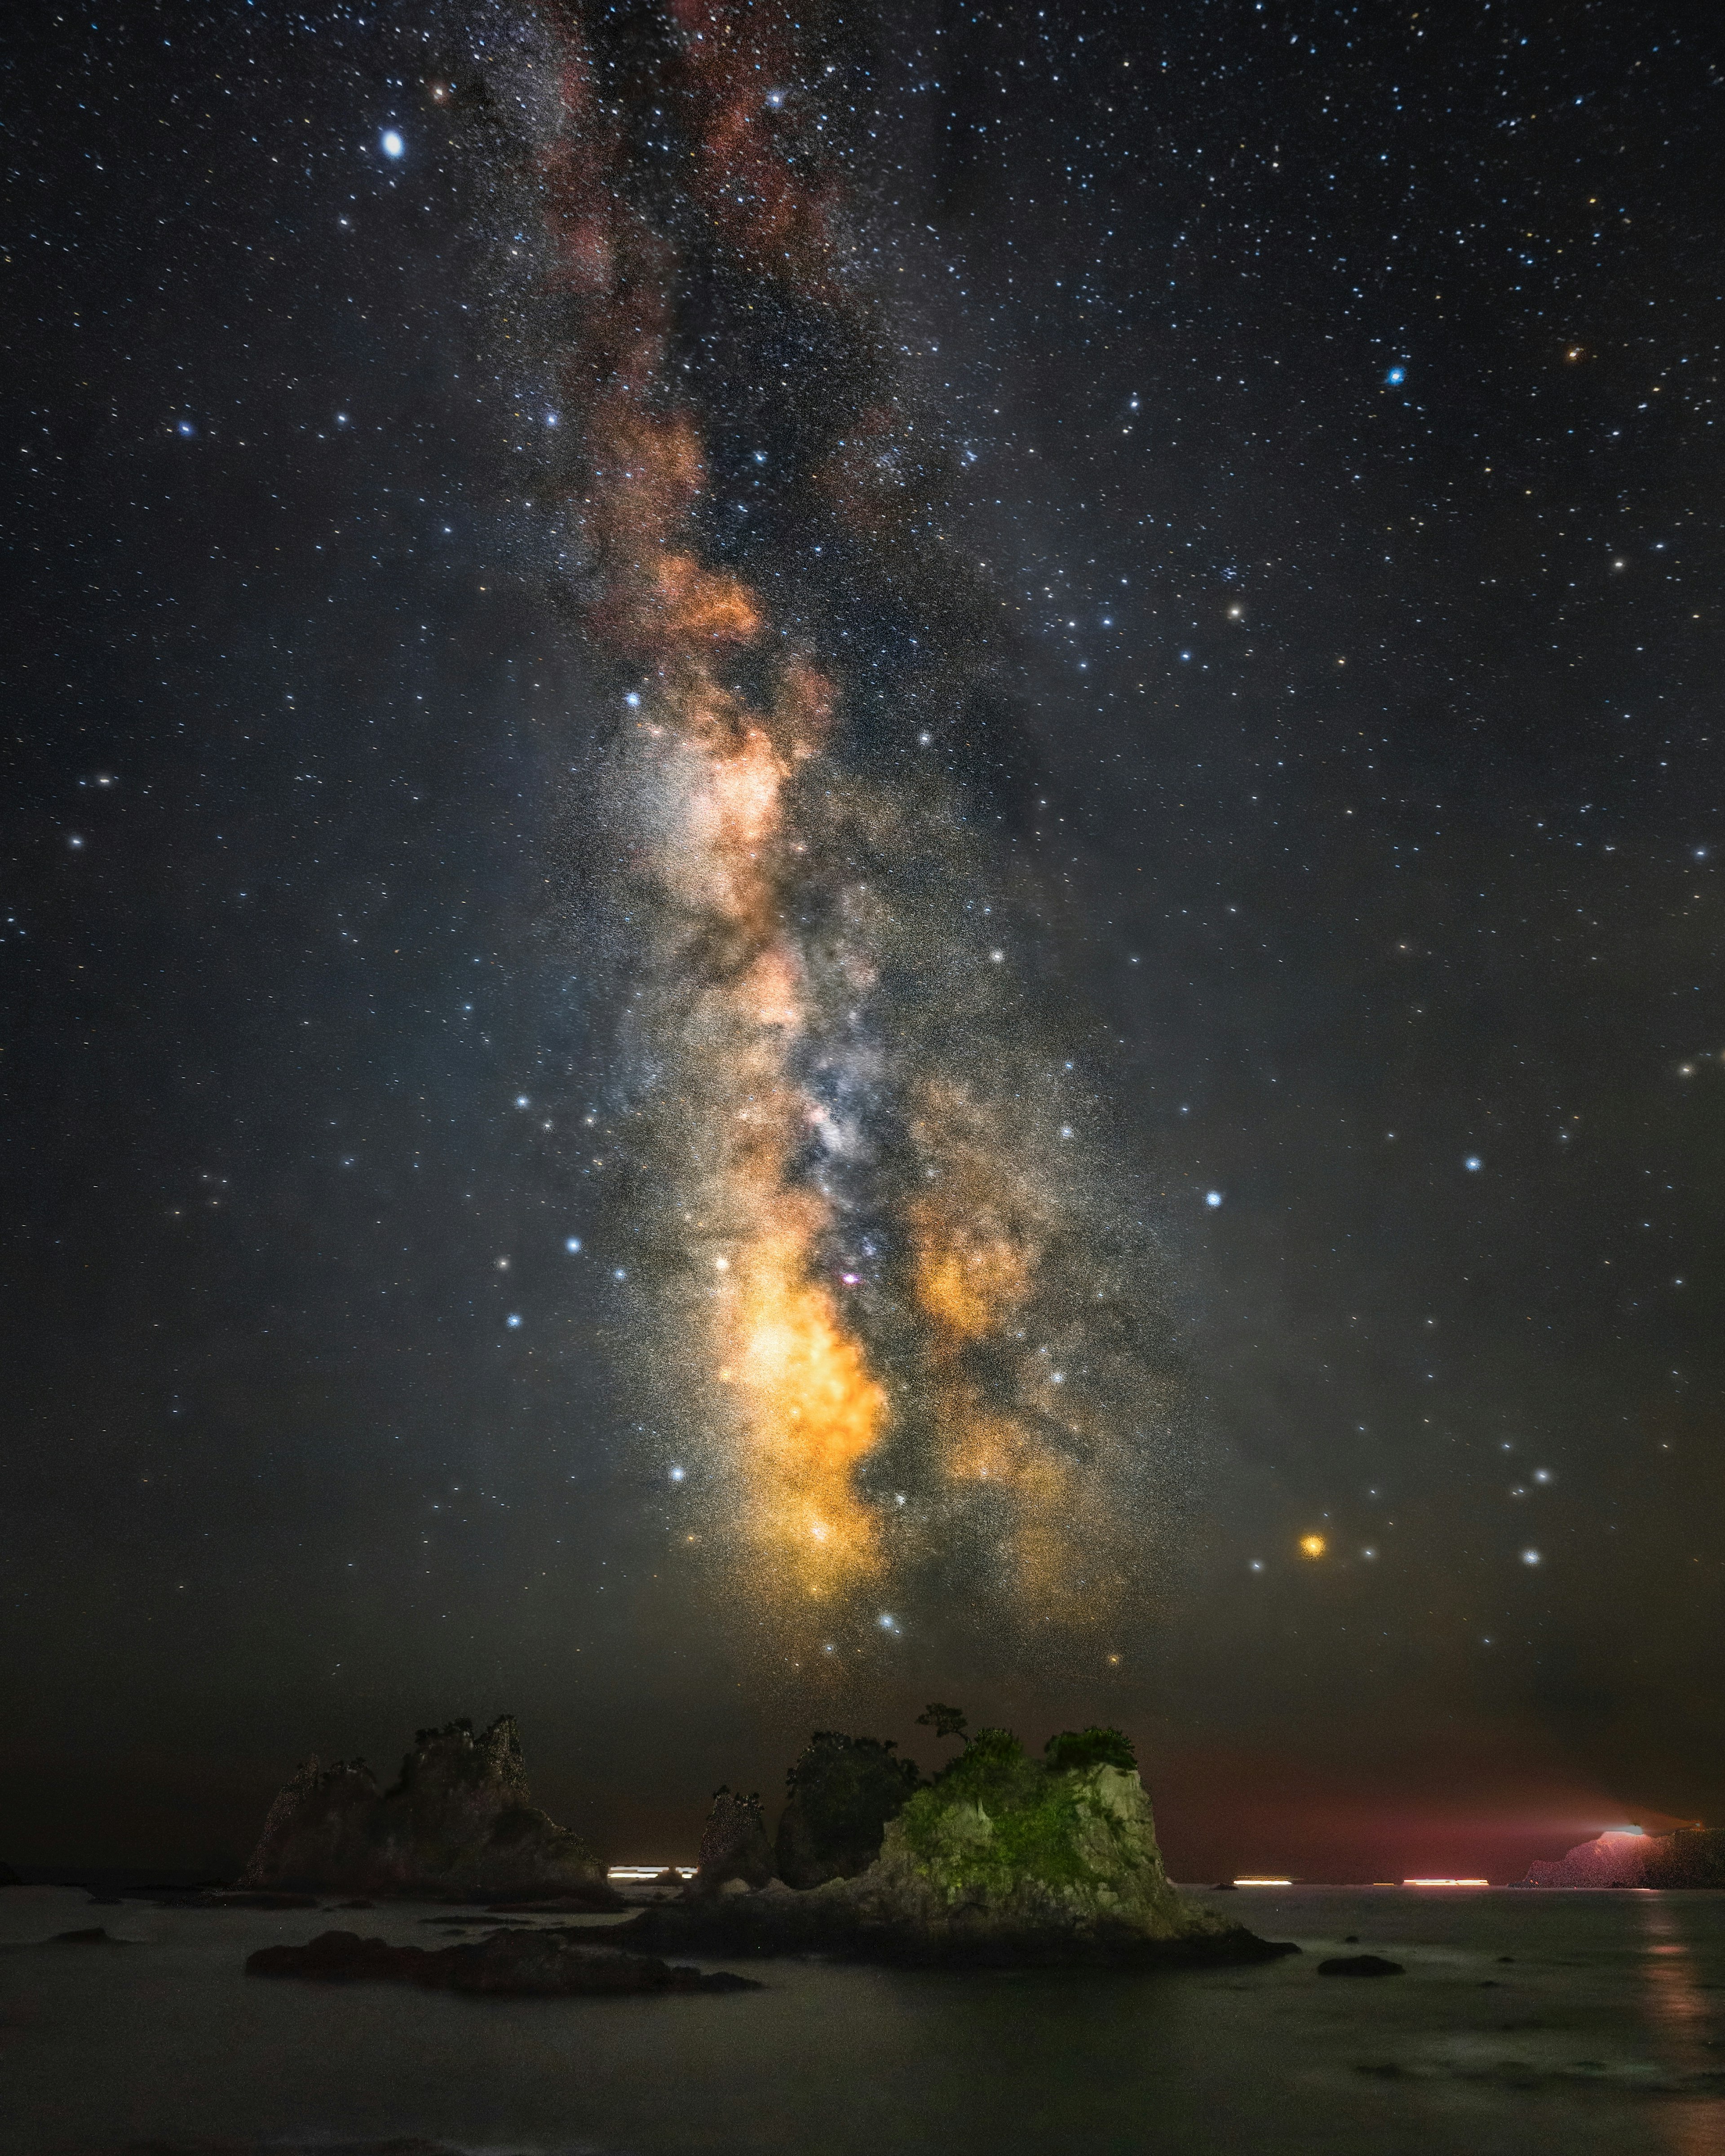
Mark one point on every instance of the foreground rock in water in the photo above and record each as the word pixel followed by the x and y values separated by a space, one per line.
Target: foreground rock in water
pixel 1360 1965
pixel 513 1964
pixel 1004 1861
pixel 1693 1857
pixel 459 1821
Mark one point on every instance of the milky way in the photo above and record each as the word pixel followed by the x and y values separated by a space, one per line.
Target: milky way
pixel 901 1321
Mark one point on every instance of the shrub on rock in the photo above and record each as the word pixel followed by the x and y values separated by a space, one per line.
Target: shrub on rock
pixel 843 1791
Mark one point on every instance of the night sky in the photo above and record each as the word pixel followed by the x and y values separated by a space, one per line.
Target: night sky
pixel 1296 615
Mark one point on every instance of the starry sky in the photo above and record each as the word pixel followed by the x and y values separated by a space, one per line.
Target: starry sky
pixel 1324 403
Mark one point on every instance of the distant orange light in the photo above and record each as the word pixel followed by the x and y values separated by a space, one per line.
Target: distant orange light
pixel 1312 1545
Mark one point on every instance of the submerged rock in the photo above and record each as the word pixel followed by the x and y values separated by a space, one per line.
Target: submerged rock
pixel 459 1821
pixel 843 1792
pixel 734 1847
pixel 524 1965
pixel 1004 1861
pixel 1367 1964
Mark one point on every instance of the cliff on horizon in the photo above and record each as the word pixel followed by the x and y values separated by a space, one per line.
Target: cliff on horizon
pixel 1693 1857
pixel 459 1821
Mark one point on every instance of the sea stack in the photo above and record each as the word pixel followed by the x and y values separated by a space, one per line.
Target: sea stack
pixel 1006 1847
pixel 460 1823
pixel 734 1848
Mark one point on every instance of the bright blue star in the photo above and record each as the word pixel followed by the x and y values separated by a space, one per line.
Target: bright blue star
pixel 391 144
pixel 1396 376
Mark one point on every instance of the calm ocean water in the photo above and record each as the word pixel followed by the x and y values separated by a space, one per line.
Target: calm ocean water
pixel 1605 2031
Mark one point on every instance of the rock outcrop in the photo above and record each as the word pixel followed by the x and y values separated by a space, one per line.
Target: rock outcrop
pixel 1003 1861
pixel 1693 1857
pixel 843 1792
pixel 1004 1845
pixel 534 1964
pixel 734 1848
pixel 459 1823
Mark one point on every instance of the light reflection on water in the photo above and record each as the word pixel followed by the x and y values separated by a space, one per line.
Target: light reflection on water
pixel 1685 2026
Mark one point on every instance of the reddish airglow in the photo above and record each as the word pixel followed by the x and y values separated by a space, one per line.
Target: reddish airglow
pixel 1473 1810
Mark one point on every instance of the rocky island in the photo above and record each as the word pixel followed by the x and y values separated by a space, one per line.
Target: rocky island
pixel 1003 1859
pixel 459 1823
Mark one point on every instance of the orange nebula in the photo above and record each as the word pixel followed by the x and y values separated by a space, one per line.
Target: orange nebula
pixel 808 1406
pixel 753 842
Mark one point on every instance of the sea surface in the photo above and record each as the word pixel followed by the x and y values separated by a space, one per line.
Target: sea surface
pixel 1526 2021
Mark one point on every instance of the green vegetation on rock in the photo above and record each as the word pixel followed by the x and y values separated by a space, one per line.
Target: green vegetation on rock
pixel 1002 1842
pixel 1099 1746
